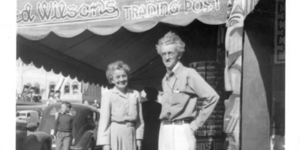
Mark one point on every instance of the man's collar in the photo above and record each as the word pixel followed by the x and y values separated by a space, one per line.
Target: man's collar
pixel 176 66
pixel 175 71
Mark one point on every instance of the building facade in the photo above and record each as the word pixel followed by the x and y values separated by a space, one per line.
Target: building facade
pixel 45 84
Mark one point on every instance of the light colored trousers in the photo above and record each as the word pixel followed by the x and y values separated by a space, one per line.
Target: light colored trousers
pixel 63 140
pixel 176 137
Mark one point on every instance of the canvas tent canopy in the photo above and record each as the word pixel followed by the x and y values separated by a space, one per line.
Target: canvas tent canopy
pixel 72 36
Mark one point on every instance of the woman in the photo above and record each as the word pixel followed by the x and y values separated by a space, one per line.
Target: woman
pixel 121 124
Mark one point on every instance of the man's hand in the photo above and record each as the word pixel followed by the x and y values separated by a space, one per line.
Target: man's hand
pixel 73 141
pixel 139 144
pixel 106 147
pixel 193 127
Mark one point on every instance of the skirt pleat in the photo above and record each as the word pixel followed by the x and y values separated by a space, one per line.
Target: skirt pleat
pixel 122 136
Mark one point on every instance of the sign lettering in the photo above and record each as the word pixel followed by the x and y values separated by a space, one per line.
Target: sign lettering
pixel 64 11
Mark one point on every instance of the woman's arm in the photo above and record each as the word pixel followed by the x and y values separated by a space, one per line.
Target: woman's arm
pixel 105 122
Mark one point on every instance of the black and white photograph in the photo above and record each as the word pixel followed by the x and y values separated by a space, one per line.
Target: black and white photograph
pixel 149 75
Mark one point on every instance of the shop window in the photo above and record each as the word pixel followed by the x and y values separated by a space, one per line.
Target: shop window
pixel 37 88
pixel 51 90
pixel 75 88
pixel 52 86
pixel 26 88
pixel 26 96
pixel 67 88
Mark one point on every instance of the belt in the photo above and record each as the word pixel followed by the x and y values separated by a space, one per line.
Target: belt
pixel 64 131
pixel 128 123
pixel 176 122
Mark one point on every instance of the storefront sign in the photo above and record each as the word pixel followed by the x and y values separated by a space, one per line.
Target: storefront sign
pixel 57 12
pixel 162 8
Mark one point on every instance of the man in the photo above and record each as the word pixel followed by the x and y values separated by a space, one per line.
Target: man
pixel 64 129
pixel 182 87
pixel 151 111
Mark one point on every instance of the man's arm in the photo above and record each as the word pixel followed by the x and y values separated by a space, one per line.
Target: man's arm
pixel 206 92
pixel 56 123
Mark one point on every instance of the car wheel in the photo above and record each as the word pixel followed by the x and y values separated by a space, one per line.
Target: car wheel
pixel 45 146
pixel 91 145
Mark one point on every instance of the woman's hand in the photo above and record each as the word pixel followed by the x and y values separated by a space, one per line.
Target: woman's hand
pixel 139 144
pixel 106 147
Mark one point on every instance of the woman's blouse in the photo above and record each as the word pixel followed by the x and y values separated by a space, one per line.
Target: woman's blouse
pixel 121 108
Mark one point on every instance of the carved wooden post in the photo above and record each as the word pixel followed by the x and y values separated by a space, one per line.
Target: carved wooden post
pixel 237 12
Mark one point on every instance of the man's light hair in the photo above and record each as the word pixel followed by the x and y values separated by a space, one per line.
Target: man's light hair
pixel 168 39
pixel 118 65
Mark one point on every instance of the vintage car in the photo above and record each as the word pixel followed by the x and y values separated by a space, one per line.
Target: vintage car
pixel 36 107
pixel 29 116
pixel 33 140
pixel 86 119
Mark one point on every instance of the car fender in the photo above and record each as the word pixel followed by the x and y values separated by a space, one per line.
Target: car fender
pixel 21 136
pixel 85 139
pixel 35 141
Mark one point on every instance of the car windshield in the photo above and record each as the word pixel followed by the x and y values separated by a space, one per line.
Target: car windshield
pixel 21 114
